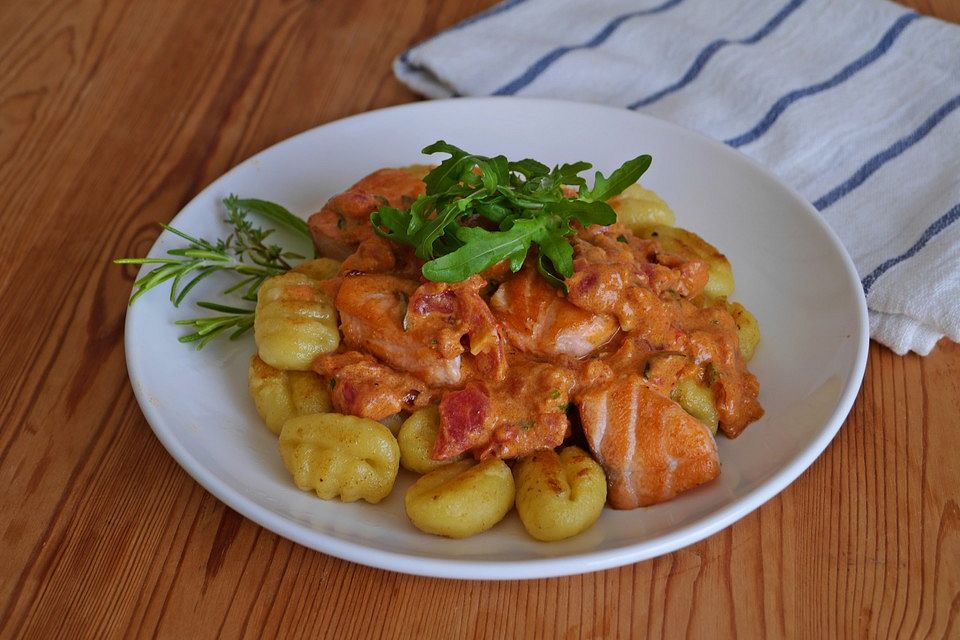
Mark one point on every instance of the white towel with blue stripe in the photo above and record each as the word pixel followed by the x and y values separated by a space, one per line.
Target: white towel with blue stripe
pixel 856 104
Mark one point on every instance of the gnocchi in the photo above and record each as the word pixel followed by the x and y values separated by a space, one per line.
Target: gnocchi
pixel 559 495
pixel 319 268
pixel 697 400
pixel 410 341
pixel 416 438
pixel 281 395
pixel 689 245
pixel 637 208
pixel 340 456
pixel 461 499
pixel 748 329
pixel 295 322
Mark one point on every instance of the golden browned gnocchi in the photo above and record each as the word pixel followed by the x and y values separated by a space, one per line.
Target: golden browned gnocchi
pixel 281 395
pixel 416 438
pixel 697 400
pixel 295 322
pixel 340 456
pixel 689 245
pixel 637 208
pixel 748 329
pixel 461 499
pixel 559 495
pixel 319 268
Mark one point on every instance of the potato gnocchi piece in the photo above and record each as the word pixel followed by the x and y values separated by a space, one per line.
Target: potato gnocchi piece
pixel 461 499
pixel 281 395
pixel 691 246
pixel 416 438
pixel 697 400
pixel 295 322
pixel 748 329
pixel 318 269
pixel 637 208
pixel 559 495
pixel 340 456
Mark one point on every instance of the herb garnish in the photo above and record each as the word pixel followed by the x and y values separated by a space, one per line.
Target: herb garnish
pixel 244 252
pixel 478 211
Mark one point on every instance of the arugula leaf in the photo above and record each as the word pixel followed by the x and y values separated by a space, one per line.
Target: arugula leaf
pixel 626 175
pixel 586 213
pixel 555 248
pixel 392 224
pixel 549 274
pixel 494 172
pixel 478 211
pixel 451 171
pixel 482 249
pixel 529 168
pixel 570 174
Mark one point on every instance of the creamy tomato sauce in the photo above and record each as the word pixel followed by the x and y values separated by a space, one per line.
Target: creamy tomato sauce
pixel 517 365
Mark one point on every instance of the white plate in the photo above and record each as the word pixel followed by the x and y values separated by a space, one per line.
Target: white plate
pixel 791 271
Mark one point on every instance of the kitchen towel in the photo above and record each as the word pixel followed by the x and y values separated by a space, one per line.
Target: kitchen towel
pixel 856 104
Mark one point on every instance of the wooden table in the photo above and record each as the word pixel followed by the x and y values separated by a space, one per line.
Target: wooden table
pixel 113 114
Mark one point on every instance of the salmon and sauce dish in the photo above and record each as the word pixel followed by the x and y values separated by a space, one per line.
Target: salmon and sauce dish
pixel 512 336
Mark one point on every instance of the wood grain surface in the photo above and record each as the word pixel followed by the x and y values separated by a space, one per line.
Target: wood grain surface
pixel 113 115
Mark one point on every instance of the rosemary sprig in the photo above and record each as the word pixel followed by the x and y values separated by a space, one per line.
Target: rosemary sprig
pixel 237 319
pixel 244 252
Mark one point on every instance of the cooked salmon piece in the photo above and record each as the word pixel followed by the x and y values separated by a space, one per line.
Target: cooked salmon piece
pixel 373 312
pixel 649 447
pixel 537 319
pixel 680 274
pixel 344 221
pixel 436 331
pixel 454 317
pixel 617 273
pixel 361 386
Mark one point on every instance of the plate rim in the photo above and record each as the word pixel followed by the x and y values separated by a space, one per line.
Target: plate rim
pixel 540 567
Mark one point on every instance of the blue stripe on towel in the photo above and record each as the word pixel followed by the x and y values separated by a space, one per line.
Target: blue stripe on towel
pixel 483 15
pixel 844 74
pixel 543 63
pixel 712 48
pixel 872 165
pixel 931 232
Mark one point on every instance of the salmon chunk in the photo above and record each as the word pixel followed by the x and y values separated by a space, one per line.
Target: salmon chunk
pixel 373 318
pixel 649 447
pixel 361 386
pixel 344 222
pixel 538 320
